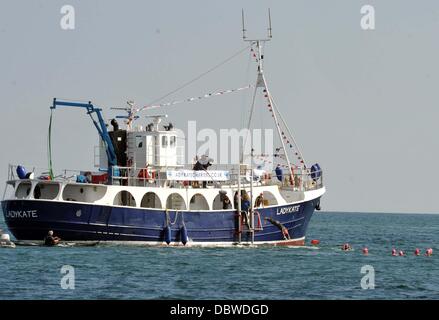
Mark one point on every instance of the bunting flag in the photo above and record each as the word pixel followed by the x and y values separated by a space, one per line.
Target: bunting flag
pixel 284 136
pixel 207 95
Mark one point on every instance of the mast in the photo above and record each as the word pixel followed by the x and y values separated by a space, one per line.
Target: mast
pixel 262 83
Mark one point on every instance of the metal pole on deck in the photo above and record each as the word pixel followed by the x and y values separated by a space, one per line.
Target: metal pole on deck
pixel 239 202
pixel 252 219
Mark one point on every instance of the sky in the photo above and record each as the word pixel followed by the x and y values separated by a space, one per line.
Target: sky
pixel 361 103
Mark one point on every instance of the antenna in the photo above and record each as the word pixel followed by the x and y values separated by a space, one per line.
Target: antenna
pixel 243 26
pixel 270 35
pixel 256 40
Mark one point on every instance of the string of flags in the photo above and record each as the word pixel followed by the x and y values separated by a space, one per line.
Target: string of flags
pixel 207 95
pixel 262 157
pixel 270 109
pixel 284 136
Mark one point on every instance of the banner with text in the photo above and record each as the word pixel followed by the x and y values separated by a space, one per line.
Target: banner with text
pixel 198 175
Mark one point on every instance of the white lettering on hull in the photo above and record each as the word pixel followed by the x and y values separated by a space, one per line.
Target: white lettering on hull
pixel 21 214
pixel 286 210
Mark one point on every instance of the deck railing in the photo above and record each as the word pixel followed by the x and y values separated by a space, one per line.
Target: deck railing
pixel 301 180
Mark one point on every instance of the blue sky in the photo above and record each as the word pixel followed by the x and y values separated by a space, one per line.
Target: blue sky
pixel 363 104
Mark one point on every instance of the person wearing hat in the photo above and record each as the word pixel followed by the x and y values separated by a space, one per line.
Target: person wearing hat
pixel 50 240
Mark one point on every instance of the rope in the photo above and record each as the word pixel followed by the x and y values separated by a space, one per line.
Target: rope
pixel 205 96
pixel 199 76
pixel 289 132
pixel 49 146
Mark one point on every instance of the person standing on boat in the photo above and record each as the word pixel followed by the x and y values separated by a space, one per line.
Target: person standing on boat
pixel 202 164
pixel 279 173
pixel 245 206
pixel 50 240
pixel 259 200
pixel 226 203
pixel 235 200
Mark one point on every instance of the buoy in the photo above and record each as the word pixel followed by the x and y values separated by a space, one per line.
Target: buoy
pixel 21 172
pixel 365 251
pixel 346 247
pixel 417 252
pixel 429 252
pixel 401 253
pixel 315 242
pixel 183 233
pixel 393 252
pixel 167 235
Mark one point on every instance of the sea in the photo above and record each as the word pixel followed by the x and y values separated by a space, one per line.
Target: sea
pixel 250 273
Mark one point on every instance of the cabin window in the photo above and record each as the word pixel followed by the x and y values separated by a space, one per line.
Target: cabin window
pixel 83 193
pixel 173 140
pixel 164 141
pixel 151 200
pixel 139 142
pixel 198 202
pixel 219 202
pixel 46 191
pixel 23 190
pixel 124 198
pixel 175 202
pixel 267 199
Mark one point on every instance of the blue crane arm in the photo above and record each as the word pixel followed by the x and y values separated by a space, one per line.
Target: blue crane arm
pixel 101 127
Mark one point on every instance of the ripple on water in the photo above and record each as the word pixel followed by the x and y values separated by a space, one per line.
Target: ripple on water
pixel 323 272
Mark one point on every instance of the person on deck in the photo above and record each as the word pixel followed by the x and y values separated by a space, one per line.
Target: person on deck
pixel 245 202
pixel 235 200
pixel 202 164
pixel 226 203
pixel 279 173
pixel 259 200
pixel 245 207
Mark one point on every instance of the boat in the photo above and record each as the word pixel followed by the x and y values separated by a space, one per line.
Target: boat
pixel 143 194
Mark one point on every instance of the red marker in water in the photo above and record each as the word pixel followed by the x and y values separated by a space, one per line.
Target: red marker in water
pixel 417 252
pixel 365 251
pixel 401 253
pixel 393 252
pixel 429 252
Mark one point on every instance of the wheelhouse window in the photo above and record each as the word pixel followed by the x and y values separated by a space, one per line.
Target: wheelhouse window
pixel 164 141
pixel 173 141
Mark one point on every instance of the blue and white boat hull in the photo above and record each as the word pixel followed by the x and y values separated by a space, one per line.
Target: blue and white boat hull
pixel 31 219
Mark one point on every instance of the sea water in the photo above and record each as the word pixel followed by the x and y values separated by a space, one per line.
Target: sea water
pixel 322 272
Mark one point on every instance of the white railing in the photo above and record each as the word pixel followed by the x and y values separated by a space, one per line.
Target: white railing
pixel 302 180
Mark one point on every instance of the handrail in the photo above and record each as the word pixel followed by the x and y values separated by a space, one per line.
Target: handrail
pixel 156 177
